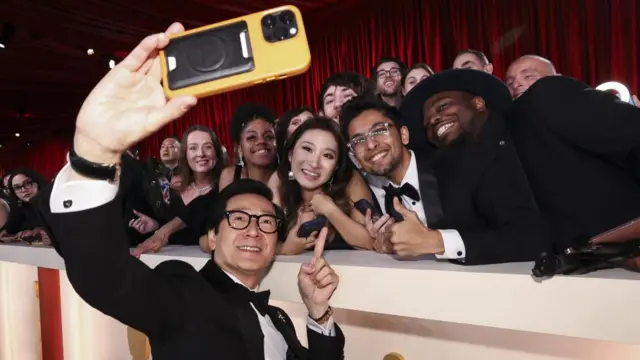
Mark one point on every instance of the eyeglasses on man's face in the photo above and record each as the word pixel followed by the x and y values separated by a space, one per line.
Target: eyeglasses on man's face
pixel 394 72
pixel 240 220
pixel 359 142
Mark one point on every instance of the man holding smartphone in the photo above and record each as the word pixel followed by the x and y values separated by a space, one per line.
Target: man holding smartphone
pixel 210 314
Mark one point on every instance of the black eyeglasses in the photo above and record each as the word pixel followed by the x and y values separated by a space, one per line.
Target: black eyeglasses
pixel 395 72
pixel 27 184
pixel 240 220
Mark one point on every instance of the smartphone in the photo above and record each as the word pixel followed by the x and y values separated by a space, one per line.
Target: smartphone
pixel 310 226
pixel 363 205
pixel 236 53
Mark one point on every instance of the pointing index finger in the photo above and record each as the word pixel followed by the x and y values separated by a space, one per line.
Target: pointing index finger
pixel 319 248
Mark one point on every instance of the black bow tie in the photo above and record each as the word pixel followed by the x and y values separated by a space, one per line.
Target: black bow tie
pixel 391 192
pixel 259 299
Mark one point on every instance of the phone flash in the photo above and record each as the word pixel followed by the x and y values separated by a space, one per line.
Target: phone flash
pixel 293 31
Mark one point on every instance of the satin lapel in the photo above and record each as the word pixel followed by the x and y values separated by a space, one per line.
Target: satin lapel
pixel 429 193
pixel 252 335
pixel 248 322
pixel 295 349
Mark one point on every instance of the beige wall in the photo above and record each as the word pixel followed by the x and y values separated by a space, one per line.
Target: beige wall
pixel 433 310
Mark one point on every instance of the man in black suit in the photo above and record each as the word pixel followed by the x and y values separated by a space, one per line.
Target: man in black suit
pixel 210 314
pixel 472 188
pixel 580 148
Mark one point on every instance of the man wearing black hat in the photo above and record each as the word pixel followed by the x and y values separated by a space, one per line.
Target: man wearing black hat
pixel 213 313
pixel 483 193
pixel 580 149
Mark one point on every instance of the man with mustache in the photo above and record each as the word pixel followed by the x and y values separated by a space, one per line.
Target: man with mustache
pixel 387 75
pixel 214 313
pixel 468 200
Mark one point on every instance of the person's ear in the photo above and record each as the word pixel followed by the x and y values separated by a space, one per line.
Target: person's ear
pixel 211 239
pixel 479 104
pixel 489 68
pixel 404 135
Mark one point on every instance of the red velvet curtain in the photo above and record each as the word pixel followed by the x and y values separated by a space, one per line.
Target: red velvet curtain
pixel 593 40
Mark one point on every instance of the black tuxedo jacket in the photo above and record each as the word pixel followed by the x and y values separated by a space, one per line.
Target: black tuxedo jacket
pixel 485 195
pixel 580 148
pixel 185 313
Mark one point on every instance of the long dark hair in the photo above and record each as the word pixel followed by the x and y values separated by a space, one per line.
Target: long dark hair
pixel 185 172
pixel 336 188
pixel 31 174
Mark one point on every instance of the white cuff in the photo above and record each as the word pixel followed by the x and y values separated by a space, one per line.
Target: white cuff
pixel 79 195
pixel 328 329
pixel 454 248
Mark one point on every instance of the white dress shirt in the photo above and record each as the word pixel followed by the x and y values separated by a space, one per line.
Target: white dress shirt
pixel 453 245
pixel 71 196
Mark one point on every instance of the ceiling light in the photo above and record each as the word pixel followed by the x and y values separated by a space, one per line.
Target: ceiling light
pixel 112 64
pixel 1 45
pixel 89 51
pixel 17 134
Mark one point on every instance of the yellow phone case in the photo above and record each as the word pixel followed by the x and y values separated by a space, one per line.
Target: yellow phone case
pixel 272 61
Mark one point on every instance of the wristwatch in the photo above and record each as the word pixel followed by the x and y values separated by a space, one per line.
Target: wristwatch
pixel 325 317
pixel 82 166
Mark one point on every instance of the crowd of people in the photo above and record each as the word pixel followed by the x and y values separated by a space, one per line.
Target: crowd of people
pixel 458 164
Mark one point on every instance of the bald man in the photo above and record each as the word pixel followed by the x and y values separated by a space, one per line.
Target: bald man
pixel 580 150
pixel 525 71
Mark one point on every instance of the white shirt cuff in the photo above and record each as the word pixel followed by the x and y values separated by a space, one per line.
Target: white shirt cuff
pixel 454 248
pixel 79 195
pixel 328 329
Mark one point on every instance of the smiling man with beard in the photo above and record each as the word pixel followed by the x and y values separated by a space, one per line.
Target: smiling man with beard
pixel 388 79
pixel 470 200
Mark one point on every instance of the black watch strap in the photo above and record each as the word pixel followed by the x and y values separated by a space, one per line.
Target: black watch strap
pixel 92 170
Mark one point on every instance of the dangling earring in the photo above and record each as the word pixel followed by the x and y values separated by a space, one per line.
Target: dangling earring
pixel 240 161
pixel 330 183
pixel 291 177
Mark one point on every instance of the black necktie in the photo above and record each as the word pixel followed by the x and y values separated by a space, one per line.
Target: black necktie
pixel 391 192
pixel 260 300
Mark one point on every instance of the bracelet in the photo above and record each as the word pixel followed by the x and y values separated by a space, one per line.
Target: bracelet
pixel 93 170
pixel 325 317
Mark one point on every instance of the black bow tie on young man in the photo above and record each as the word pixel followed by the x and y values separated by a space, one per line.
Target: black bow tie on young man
pixel 391 192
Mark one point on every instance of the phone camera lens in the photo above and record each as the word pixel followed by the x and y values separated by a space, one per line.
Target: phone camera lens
pixel 269 21
pixel 286 17
pixel 281 33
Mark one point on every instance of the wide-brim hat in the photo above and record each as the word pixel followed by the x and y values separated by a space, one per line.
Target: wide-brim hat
pixel 478 83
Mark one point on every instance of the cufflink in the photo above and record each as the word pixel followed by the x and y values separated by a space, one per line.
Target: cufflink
pixel 67 204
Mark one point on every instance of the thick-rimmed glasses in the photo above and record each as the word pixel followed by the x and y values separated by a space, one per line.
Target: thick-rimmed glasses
pixel 358 143
pixel 26 185
pixel 394 72
pixel 240 220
